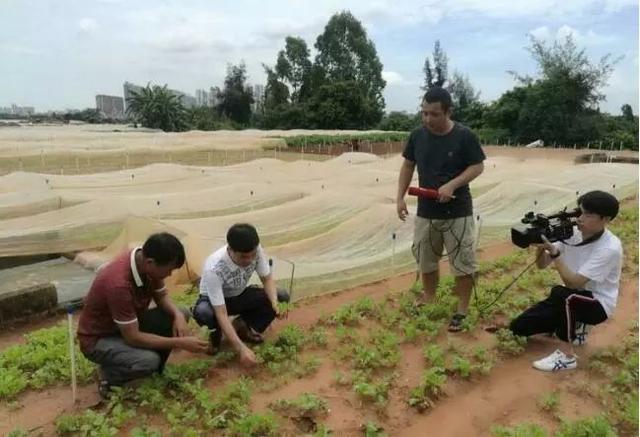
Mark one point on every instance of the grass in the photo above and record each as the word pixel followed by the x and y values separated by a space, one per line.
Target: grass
pixel 549 402
pixel 299 141
pixel 42 361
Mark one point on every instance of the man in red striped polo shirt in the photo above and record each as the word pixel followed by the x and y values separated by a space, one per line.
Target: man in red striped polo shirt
pixel 118 331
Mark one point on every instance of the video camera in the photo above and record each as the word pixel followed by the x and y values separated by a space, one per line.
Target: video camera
pixel 556 227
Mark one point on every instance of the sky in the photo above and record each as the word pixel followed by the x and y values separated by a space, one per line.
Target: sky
pixel 59 54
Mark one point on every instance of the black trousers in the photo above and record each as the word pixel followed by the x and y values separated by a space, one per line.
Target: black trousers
pixel 121 363
pixel 558 314
pixel 252 305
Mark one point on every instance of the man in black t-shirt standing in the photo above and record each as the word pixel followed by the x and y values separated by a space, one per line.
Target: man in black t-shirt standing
pixel 448 156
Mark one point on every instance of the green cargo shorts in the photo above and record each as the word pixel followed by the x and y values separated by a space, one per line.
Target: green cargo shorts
pixel 457 235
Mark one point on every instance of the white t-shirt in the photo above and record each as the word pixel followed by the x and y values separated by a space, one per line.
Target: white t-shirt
pixel 222 278
pixel 600 261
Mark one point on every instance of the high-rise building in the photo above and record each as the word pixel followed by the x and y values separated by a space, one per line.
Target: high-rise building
pixel 110 106
pixel 202 97
pixel 214 100
pixel 129 89
pixel 258 92
pixel 258 97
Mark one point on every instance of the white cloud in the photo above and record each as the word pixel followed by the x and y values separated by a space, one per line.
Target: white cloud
pixel 87 25
pixel 541 32
pixel 590 38
pixel 406 12
pixel 392 77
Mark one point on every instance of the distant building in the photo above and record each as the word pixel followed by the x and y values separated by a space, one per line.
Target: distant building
pixel 258 97
pixel 214 100
pixel 21 111
pixel 186 100
pixel 202 98
pixel 129 89
pixel 110 106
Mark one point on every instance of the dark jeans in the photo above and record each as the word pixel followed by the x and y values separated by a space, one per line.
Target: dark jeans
pixel 121 363
pixel 560 310
pixel 252 305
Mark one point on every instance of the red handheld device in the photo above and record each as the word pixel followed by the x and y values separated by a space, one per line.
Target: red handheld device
pixel 426 193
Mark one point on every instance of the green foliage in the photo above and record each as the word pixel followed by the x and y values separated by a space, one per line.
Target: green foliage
pixel 12 382
pixel 400 121
pixel 157 107
pixel 429 390
pixel 436 75
pixel 285 307
pixel 597 426
pixel 376 391
pixel 352 314
pixel 92 423
pixel 523 430
pixel 236 98
pixel 299 141
pixel 434 355
pixel 255 425
pixel 549 402
pixel 460 366
pixel 42 361
pixel 318 336
pixel 557 106
pixel 371 429
pixel 18 432
pixel 305 405
pixel 510 344
pixel 342 89
pixel 145 431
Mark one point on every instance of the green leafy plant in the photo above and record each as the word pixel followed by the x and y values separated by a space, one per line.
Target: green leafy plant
pixel 590 427
pixel 510 344
pixel 305 405
pixel 42 361
pixel 549 402
pixel 523 430
pixel 371 429
pixel 434 355
pixel 429 390
pixel 255 425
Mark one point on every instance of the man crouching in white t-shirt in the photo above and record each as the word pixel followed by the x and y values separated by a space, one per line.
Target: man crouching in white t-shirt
pixel 589 264
pixel 224 292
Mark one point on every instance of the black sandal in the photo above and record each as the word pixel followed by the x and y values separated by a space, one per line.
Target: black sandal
pixel 455 325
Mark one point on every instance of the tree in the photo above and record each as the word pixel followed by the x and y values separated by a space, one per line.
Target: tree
pixel 158 108
pixel 561 104
pixel 563 64
pixel 340 105
pixel 294 67
pixel 627 112
pixel 400 121
pixel 467 107
pixel 346 55
pixel 435 76
pixel 236 98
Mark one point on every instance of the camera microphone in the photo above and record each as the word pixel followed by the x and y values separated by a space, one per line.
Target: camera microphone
pixel 425 193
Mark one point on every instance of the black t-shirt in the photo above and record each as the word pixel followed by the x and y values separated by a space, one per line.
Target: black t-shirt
pixel 441 158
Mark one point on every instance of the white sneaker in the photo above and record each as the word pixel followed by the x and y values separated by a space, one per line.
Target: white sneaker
pixel 556 361
pixel 582 330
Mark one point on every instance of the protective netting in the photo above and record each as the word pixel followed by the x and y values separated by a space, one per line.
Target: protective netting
pixel 334 220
